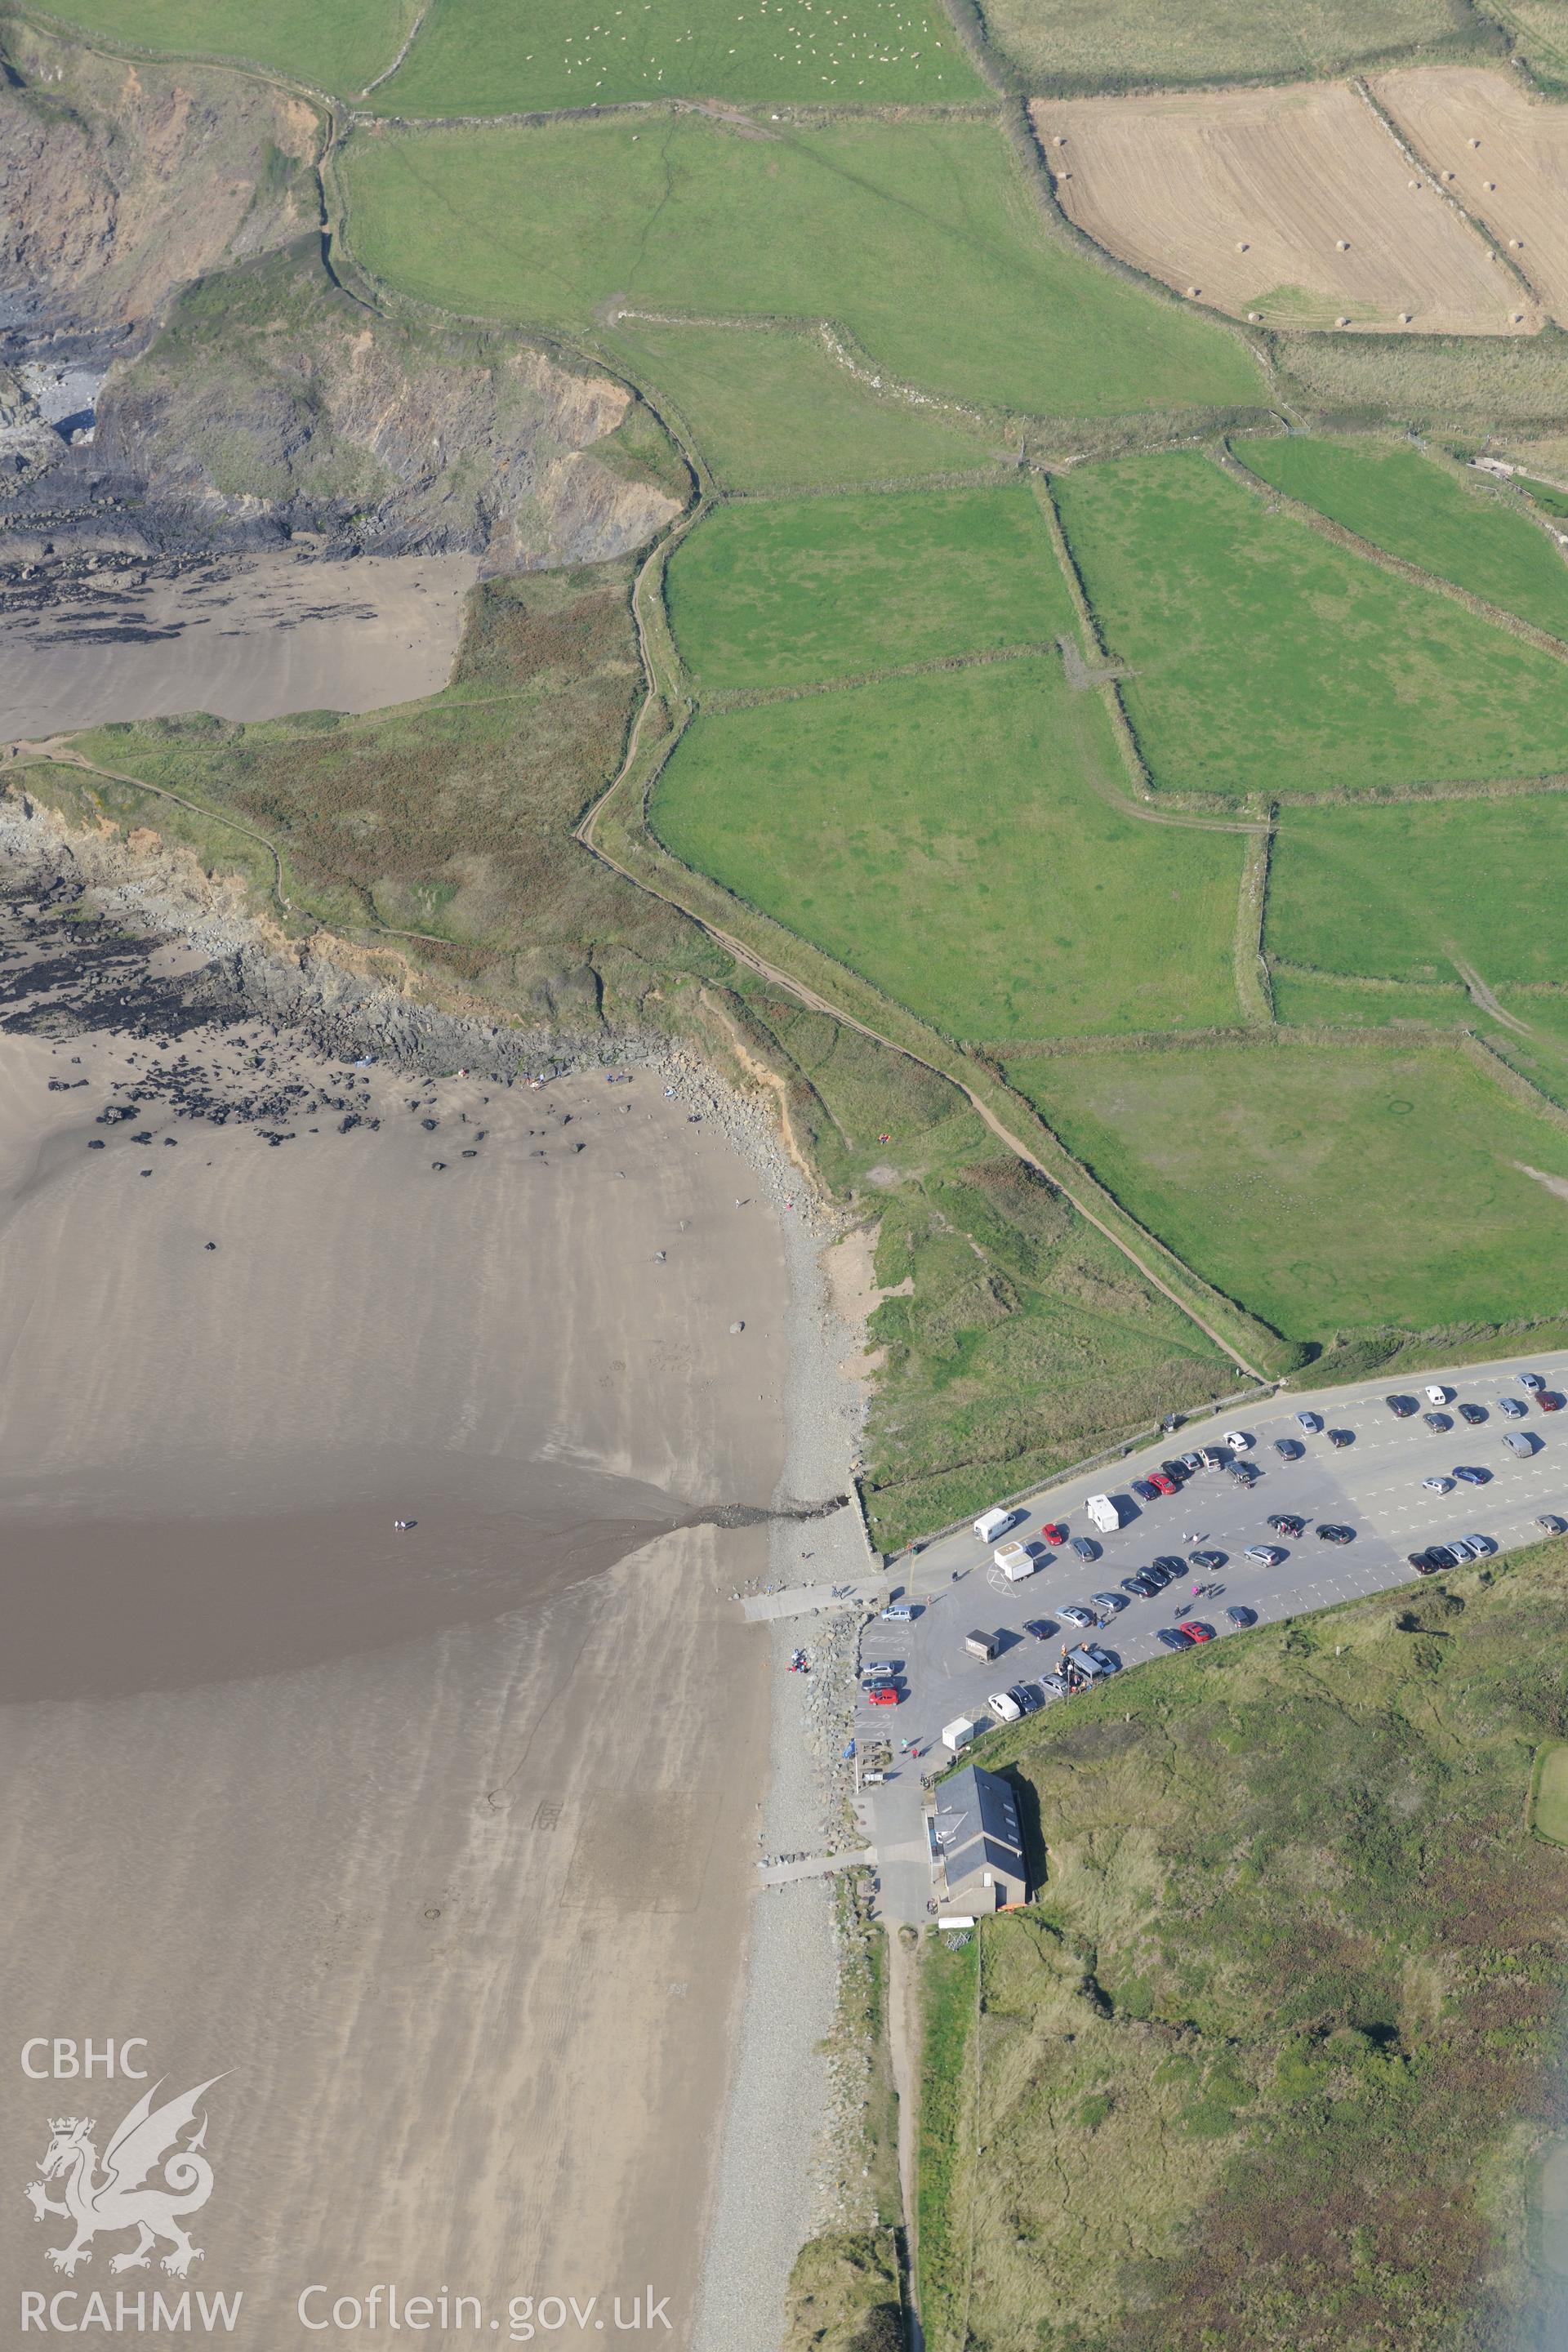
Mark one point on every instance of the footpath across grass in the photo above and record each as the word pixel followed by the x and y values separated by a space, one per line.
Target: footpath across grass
pixel 920 236
pixel 943 834
pixel 339 47
pixel 1266 2062
pixel 770 409
pixel 777 594
pixel 1396 893
pixel 490 57
pixel 1326 1188
pixel 1265 659
pixel 1463 531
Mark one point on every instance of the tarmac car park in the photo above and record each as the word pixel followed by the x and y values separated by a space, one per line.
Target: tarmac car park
pixel 1202 1531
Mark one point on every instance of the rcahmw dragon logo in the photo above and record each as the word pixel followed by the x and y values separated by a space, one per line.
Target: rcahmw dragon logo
pixel 147 2141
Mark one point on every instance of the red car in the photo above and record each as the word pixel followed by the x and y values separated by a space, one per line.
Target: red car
pixel 1054 1533
pixel 1197 1632
pixel 1548 1400
pixel 883 1695
pixel 1164 1486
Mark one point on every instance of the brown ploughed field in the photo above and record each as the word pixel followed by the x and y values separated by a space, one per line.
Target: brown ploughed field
pixel 1507 154
pixel 1292 206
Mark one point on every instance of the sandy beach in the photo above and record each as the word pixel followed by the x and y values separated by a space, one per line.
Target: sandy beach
pixel 244 637
pixel 435 1846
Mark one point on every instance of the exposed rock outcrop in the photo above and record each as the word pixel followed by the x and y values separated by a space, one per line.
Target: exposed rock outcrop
pixel 178 371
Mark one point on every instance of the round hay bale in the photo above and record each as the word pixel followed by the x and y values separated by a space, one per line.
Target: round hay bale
pixel 1404 317
pixel 1255 317
pixel 1061 138
pixel 1242 246
pixel 1488 185
pixel 1517 243
pixel 1475 142
pixel 1194 291
pixel 1341 322
pixel 1415 183
pixel 1343 243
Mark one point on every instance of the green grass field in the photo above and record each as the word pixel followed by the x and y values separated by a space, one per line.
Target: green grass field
pixel 1395 892
pixel 340 47
pixel 1550 1812
pixel 489 57
pixel 769 410
pixel 778 595
pixel 1266 2063
pixel 1303 999
pixel 1117 44
pixel 1267 660
pixel 941 835
pixel 921 238
pixel 1405 503
pixel 1326 1188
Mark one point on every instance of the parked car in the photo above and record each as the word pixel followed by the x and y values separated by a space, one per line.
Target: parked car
pixel 1426 1563
pixel 1267 1555
pixel 1195 1631
pixel 1141 1587
pixel 1238 1441
pixel 1553 1523
pixel 1054 1533
pixel 1439 1486
pixel 1242 1616
pixel 885 1695
pixel 1401 1407
pixel 1338 1437
pixel 1004 1706
pixel 1054 1686
pixel 1176 1472
pixel 1039 1629
pixel 1285 1523
pixel 1084 1546
pixel 880 1670
pixel 1438 1421
pixel 1160 1574
pixel 1076 1614
pixel 1192 1464
pixel 1171 1636
pixel 1470 1476
pixel 1518 1441
pixel 1289 1449
pixel 1246 1473
pixel 1311 1421
pixel 1114 1601
pixel 898 1612
pixel 1330 1531
pixel 1548 1401
pixel 1532 1380
pixel 1472 1415
pixel 1461 1547
pixel 1029 1697
pixel 1145 1490
pixel 1169 1566
pixel 1482 1547
pixel 1163 1483
pixel 1512 1408
pixel 1435 1393
pixel 1208 1560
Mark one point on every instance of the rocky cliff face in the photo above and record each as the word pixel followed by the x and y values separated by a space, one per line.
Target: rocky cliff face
pixel 123 182
pixel 273 402
pixel 178 371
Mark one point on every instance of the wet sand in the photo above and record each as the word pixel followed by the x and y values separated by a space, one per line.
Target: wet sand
pixel 435 1846
pixel 246 637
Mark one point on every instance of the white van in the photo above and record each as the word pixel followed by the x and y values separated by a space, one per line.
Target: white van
pixel 1015 1560
pixel 1103 1514
pixel 994 1523
pixel 958 1733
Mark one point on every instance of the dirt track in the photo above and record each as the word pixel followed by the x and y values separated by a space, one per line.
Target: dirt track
pixel 1293 206
pixel 1503 153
